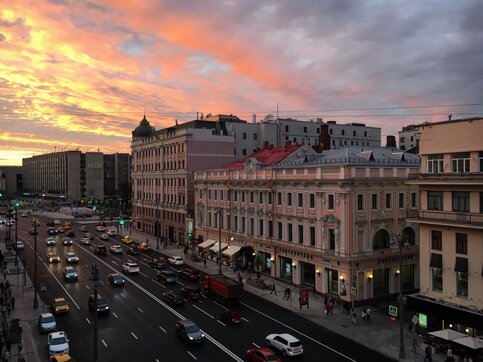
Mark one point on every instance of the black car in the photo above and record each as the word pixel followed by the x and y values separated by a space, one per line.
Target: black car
pixel 70 233
pixel 100 250
pixel 166 277
pixel 189 331
pixel 50 223
pixel 51 231
pixel 32 231
pixel 190 292
pixel 173 298
pixel 102 304
pixel 116 279
pixel 189 274
pixel 156 263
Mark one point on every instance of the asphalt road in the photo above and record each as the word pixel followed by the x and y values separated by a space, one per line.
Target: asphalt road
pixel 140 326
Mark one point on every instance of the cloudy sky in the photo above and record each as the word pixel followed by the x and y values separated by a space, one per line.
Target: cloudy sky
pixel 80 74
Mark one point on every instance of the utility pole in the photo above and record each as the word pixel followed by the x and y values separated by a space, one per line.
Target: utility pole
pixel 36 301
pixel 220 214
pixel 156 223
pixel 96 283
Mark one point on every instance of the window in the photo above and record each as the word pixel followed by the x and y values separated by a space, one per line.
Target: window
pixel 460 162
pixel 255 136
pixel 300 200
pixel 251 231
pixel 330 202
pixel 343 132
pixel 461 201
pixel 354 133
pixel 244 152
pixel 286 129
pixel 437 276
pixel 209 194
pixel 402 140
pixel 480 159
pixel 279 198
pixel 301 234
pixel 221 194
pixel 435 163
pixel 365 133
pixel 243 224
pixel 279 230
pixel 461 243
pixel 305 129
pixel 331 239
pixel 242 196
pixel 401 200
pixel 414 202
pixel 270 228
pixel 312 235
pixel 312 200
pixel 462 284
pixel 269 196
pixel 289 199
pixel 374 202
pixel 360 202
pixel 388 201
pixel 260 197
pixel 260 228
pixel 289 232
pixel 251 197
pixel 244 136
pixel 235 195
pixel 436 240
pixel 200 193
pixel 435 200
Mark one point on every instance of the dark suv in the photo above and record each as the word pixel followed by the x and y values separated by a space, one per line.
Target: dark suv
pixel 166 277
pixel 100 250
pixel 190 292
pixel 189 331
pixel 190 274
pixel 173 298
pixel 102 305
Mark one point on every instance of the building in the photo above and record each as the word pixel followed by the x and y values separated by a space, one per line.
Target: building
pixel 409 137
pixel 117 176
pixel 450 220
pixel 327 220
pixel 10 180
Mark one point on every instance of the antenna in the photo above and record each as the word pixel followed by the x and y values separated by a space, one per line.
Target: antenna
pixel 277 110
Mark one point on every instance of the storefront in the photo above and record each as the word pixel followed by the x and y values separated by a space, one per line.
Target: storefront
pixel 307 274
pixel 332 281
pixel 285 268
pixel 380 282
pixel 265 262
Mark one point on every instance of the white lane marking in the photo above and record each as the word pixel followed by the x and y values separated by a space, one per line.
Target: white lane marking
pixel 139 309
pixel 154 280
pixel 88 321
pixel 246 320
pixel 157 360
pixel 104 343
pixel 87 287
pixel 202 311
pixel 147 276
pixel 141 262
pixel 115 315
pixel 191 354
pixel 113 262
pixel 256 345
pixel 296 331
pixel 123 295
pixel 134 335
pixel 164 330
pixel 219 305
pixel 223 324
pixel 180 283
pixel 65 290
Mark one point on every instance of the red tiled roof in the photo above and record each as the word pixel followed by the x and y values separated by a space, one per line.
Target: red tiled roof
pixel 266 156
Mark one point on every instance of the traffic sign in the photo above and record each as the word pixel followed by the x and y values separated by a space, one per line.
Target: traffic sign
pixel 353 290
pixel 393 311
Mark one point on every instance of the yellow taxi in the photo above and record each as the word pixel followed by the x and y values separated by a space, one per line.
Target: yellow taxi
pixel 143 247
pixel 59 305
pixel 61 357
pixel 67 225
pixel 127 240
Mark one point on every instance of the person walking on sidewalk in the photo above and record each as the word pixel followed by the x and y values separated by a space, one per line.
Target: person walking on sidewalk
pixel 428 354
pixel 353 315
pixel 240 278
pixel 368 315
pixel 364 315
pixel 415 345
pixel 288 293
pixel 273 290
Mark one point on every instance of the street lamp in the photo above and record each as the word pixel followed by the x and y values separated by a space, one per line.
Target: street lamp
pixel 36 301
pixel 220 214
pixel 16 222
pixel 402 351
pixel 96 284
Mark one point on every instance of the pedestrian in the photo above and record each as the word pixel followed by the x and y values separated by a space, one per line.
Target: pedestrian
pixel 240 278
pixel 327 308
pixel 288 292
pixel 177 245
pixel 368 315
pixel 204 263
pixel 331 308
pixel 12 302
pixel 428 354
pixel 363 314
pixel 314 291
pixel 410 326
pixel 300 303
pixel 449 355
pixel 354 315
pixel 273 290
pixel 415 345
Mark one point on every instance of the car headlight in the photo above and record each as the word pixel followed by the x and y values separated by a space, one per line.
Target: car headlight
pixel 191 338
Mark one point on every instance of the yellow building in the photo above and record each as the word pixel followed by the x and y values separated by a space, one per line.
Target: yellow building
pixel 450 221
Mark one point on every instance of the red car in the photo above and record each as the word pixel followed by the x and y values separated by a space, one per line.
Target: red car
pixel 190 274
pixel 262 355
pixel 132 251
pixel 230 316
pixel 156 263
pixel 190 292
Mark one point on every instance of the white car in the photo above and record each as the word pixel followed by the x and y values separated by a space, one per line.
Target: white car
pixel 83 228
pixel 71 258
pixel 67 241
pixel 116 249
pixel 50 241
pixel 85 241
pixel 100 228
pixel 111 232
pixel 104 236
pixel 19 245
pixel 285 343
pixel 57 222
pixel 175 260
pixel 24 214
pixel 58 343
pixel 130 267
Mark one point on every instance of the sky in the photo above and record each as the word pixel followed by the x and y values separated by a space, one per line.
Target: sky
pixel 80 74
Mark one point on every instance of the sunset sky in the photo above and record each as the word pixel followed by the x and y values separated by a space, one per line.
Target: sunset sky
pixel 80 74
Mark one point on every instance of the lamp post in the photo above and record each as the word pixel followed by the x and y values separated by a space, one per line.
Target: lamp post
pixel 402 350
pixel 96 284
pixel 36 301
pixel 220 214
pixel 16 223
pixel 156 224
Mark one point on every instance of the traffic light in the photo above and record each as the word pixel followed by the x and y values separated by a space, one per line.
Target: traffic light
pixel 1 194
pixel 17 204
pixel 94 207
pixel 121 222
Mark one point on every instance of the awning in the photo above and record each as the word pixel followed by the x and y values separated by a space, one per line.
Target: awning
pixel 448 334
pixel 473 343
pixel 216 247
pixel 231 250
pixel 436 261
pixel 461 265
pixel 206 243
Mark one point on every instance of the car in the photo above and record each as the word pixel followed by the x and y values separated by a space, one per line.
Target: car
pixel 58 343
pixel 104 236
pixel 102 304
pixel 189 274
pixel 46 323
pixel 19 245
pixel 143 247
pixel 100 228
pixel 59 305
pixel 261 355
pixel 166 277
pixel 175 260
pixel 285 343
pixel 83 228
pixel 101 223
pixel 85 241
pixel 71 257
pixel 115 249
pixel 111 232
pixel 132 251
pixel 48 223
pixel 33 231
pixel 127 240
pixel 61 357
pixel 100 250
pixel 51 231
pixel 89 235
pixel 70 273
pixel 53 258
pixel 230 316
pixel 156 263
pixel 60 230
pixel 67 241
pixel 189 331
pixel 190 292
pixel 67 225
pixel 173 298
pixel 130 267
pixel 57 222
pixel 70 233
pixel 24 214
pixel 116 279
pixel 50 241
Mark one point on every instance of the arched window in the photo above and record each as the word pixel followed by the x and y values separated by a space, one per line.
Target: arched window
pixel 408 236
pixel 380 240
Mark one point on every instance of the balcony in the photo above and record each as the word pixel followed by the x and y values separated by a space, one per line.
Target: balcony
pixel 467 178
pixel 459 219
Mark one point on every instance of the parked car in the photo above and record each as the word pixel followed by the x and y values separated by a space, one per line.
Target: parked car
pixel 115 249
pixel 190 292
pixel 104 236
pixel 166 277
pixel 130 267
pixel 100 250
pixel 71 258
pixel 173 298
pixel 156 263
pixel 132 251
pixel 102 304
pixel 58 343
pixel 53 258
pixel 230 316
pixel 189 274
pixel 46 323
pixel 261 355
pixel 59 305
pixel 116 279
pixel 189 331
pixel 50 241
pixel 175 260
pixel 70 273
pixel 61 357
pixel 67 241
pixel 285 343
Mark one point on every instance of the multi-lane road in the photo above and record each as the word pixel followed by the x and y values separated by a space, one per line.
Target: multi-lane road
pixel 140 326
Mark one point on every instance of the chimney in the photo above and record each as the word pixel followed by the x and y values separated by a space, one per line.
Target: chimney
pixel 254 118
pixel 324 138
pixel 390 141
